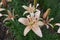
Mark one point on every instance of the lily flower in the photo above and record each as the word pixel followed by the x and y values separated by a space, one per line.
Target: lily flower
pixel 32 23
pixel 47 22
pixel 10 16
pixel 46 19
pixel 58 24
pixel 30 9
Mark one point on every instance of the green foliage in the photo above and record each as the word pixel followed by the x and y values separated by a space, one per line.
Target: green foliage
pixel 18 28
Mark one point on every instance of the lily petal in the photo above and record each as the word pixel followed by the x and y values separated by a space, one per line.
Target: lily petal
pixel 37 5
pixel 58 30
pixel 25 7
pixel 40 23
pixel 30 5
pixel 5 20
pixel 47 26
pixel 38 10
pixel 1 15
pixel 23 21
pixel 9 13
pixel 51 19
pixel 27 29
pixel 1 3
pixel 37 30
pixel 28 16
pixel 58 24
pixel 9 0
pixel 37 14
pixel 1 9
pixel 51 25
pixel 25 12
pixel 12 19
pixel 5 15
pixel 32 14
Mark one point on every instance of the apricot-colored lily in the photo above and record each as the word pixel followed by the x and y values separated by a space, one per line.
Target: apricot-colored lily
pixel 32 23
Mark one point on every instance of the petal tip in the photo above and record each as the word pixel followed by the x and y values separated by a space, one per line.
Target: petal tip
pixel 58 32
pixel 1 15
pixel 24 33
pixel 40 36
pixel 2 9
pixel 25 7
pixel 58 24
pixel 19 19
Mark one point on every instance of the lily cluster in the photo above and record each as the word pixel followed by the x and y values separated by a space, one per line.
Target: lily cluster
pixel 33 21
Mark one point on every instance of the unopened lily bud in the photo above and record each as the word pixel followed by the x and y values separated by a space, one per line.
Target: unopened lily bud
pixel 46 13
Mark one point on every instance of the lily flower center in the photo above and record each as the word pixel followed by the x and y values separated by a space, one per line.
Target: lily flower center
pixel 31 9
pixel 32 23
pixel 46 22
